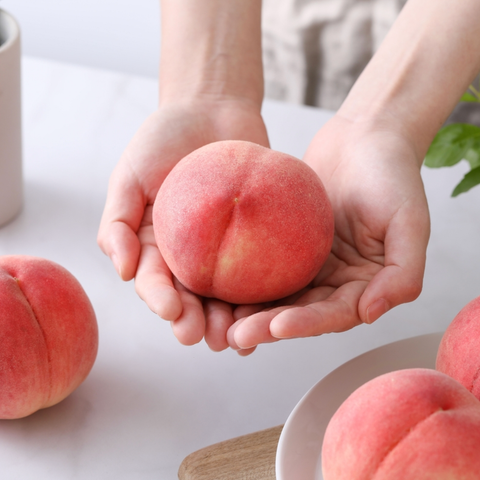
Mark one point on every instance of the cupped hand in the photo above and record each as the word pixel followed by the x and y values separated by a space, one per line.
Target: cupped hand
pixel 126 231
pixel 382 227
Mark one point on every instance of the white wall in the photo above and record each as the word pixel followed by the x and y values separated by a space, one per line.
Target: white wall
pixel 116 34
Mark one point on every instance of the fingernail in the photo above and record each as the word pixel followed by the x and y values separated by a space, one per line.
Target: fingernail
pixel 231 338
pixel 116 264
pixel 376 310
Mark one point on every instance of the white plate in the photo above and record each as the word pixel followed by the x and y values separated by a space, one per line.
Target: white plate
pixel 300 445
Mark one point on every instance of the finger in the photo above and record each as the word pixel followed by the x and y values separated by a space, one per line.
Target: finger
pixel 154 281
pixel 247 351
pixel 233 344
pixel 122 215
pixel 243 311
pixel 303 295
pixel 337 313
pixel 253 330
pixel 313 295
pixel 189 327
pixel 119 242
pixel 219 318
pixel 231 335
pixel 401 279
pixel 256 329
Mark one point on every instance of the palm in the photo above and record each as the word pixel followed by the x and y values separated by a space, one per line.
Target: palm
pixel 378 254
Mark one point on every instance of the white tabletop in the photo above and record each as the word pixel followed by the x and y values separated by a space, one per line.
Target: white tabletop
pixel 149 401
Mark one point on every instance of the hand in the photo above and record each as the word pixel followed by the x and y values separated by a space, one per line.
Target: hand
pixel 126 231
pixel 382 228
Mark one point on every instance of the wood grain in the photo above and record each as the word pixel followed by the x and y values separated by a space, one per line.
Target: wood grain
pixel 249 457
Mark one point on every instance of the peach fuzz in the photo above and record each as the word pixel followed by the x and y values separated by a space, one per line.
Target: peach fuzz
pixel 243 223
pixel 48 334
pixel 415 424
pixel 459 351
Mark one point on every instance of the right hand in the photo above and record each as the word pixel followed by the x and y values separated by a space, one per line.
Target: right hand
pixel 126 230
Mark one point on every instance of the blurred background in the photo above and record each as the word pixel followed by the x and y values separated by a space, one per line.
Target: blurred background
pixel 313 50
pixel 113 34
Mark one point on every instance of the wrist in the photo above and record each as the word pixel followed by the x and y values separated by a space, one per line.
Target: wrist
pixel 417 76
pixel 215 88
pixel 383 122
pixel 215 119
pixel 211 51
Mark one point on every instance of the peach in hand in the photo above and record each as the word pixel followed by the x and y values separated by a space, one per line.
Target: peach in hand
pixel 459 351
pixel 243 223
pixel 415 424
pixel 48 334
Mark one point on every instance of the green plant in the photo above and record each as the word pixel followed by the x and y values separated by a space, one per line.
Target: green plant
pixel 456 142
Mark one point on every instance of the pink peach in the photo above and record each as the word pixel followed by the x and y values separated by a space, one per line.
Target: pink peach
pixel 242 223
pixel 48 334
pixel 415 424
pixel 459 351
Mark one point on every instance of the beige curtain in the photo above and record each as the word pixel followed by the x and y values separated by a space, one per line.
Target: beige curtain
pixel 314 50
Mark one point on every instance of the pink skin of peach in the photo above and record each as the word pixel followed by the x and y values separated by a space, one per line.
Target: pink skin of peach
pixel 48 335
pixel 459 351
pixel 243 223
pixel 415 424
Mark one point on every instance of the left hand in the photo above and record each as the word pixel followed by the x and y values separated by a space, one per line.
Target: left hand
pixel 377 261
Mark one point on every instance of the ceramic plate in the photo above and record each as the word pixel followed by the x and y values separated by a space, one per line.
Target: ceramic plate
pixel 300 445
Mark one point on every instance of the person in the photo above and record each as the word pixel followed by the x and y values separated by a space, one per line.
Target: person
pixel 315 50
pixel 368 157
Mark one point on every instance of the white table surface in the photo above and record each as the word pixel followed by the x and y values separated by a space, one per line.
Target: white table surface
pixel 150 401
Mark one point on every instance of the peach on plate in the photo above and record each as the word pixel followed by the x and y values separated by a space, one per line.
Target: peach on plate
pixel 413 424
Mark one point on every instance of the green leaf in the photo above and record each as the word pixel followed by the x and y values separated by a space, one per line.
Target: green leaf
pixel 469 97
pixel 473 155
pixel 470 180
pixel 451 144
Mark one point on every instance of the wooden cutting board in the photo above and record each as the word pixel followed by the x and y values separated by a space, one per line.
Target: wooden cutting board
pixel 249 457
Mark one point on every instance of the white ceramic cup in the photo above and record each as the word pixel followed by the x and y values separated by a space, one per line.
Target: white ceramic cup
pixel 11 181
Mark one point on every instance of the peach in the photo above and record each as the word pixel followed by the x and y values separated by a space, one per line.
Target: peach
pixel 243 223
pixel 409 424
pixel 48 334
pixel 459 351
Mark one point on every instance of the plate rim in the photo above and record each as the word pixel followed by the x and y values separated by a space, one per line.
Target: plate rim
pixel 433 337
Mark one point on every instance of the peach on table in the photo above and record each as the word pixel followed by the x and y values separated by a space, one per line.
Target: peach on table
pixel 48 334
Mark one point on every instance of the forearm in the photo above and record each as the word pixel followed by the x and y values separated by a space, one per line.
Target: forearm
pixel 424 65
pixel 211 49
